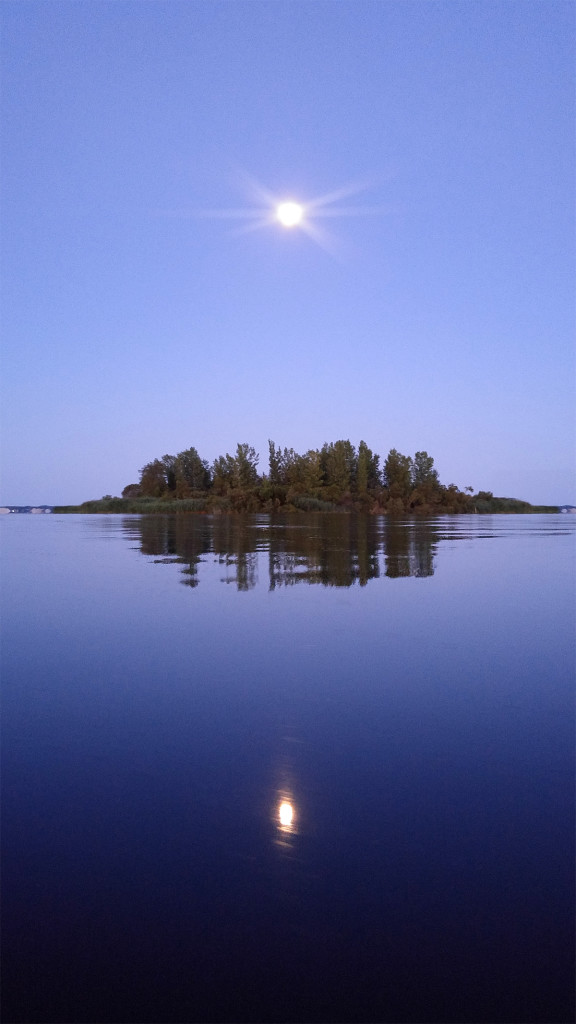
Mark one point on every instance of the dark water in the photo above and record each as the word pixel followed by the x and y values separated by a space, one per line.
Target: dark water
pixel 405 688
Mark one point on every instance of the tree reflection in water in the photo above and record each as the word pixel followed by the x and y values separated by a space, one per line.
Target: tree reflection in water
pixel 335 550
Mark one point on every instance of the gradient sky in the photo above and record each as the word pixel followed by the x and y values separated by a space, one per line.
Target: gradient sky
pixel 443 320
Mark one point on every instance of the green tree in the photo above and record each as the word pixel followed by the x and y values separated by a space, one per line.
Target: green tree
pixel 368 469
pixel 287 467
pixel 311 472
pixel 246 466
pixel 153 479
pixel 236 472
pixel 423 472
pixel 338 461
pixel 275 464
pixel 398 474
pixel 131 491
pixel 223 474
pixel 292 467
pixel 192 473
pixel 169 463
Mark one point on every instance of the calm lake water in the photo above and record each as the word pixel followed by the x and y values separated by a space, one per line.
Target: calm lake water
pixel 309 769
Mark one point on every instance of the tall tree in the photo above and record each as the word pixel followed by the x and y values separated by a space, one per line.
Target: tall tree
pixel 398 474
pixel 339 465
pixel 311 468
pixel 236 472
pixel 169 463
pixel 192 473
pixel 275 464
pixel 246 463
pixel 423 472
pixel 368 469
pixel 223 474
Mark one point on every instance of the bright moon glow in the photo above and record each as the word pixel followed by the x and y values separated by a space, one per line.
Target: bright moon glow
pixel 289 214
pixel 285 813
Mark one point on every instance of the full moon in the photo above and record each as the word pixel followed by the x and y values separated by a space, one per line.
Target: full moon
pixel 289 214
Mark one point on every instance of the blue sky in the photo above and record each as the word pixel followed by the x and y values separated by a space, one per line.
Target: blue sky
pixel 443 319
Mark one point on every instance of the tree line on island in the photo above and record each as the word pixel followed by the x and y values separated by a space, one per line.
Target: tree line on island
pixel 337 476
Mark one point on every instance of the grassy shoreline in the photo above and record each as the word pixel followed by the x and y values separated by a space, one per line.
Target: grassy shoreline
pixel 213 505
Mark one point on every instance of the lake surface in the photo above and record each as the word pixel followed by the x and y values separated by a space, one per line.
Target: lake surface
pixel 318 768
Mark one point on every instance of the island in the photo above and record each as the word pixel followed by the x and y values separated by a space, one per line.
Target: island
pixel 335 477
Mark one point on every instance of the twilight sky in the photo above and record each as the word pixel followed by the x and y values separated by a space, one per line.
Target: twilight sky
pixel 439 316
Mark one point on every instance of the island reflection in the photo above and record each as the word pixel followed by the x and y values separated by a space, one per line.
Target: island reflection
pixel 332 550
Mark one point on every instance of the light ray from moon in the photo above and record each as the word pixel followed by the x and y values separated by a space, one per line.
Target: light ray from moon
pixel 291 213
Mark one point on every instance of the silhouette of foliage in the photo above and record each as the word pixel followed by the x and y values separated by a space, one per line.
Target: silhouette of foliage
pixel 335 476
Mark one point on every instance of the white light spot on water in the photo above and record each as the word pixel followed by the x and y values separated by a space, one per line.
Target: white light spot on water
pixel 285 814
